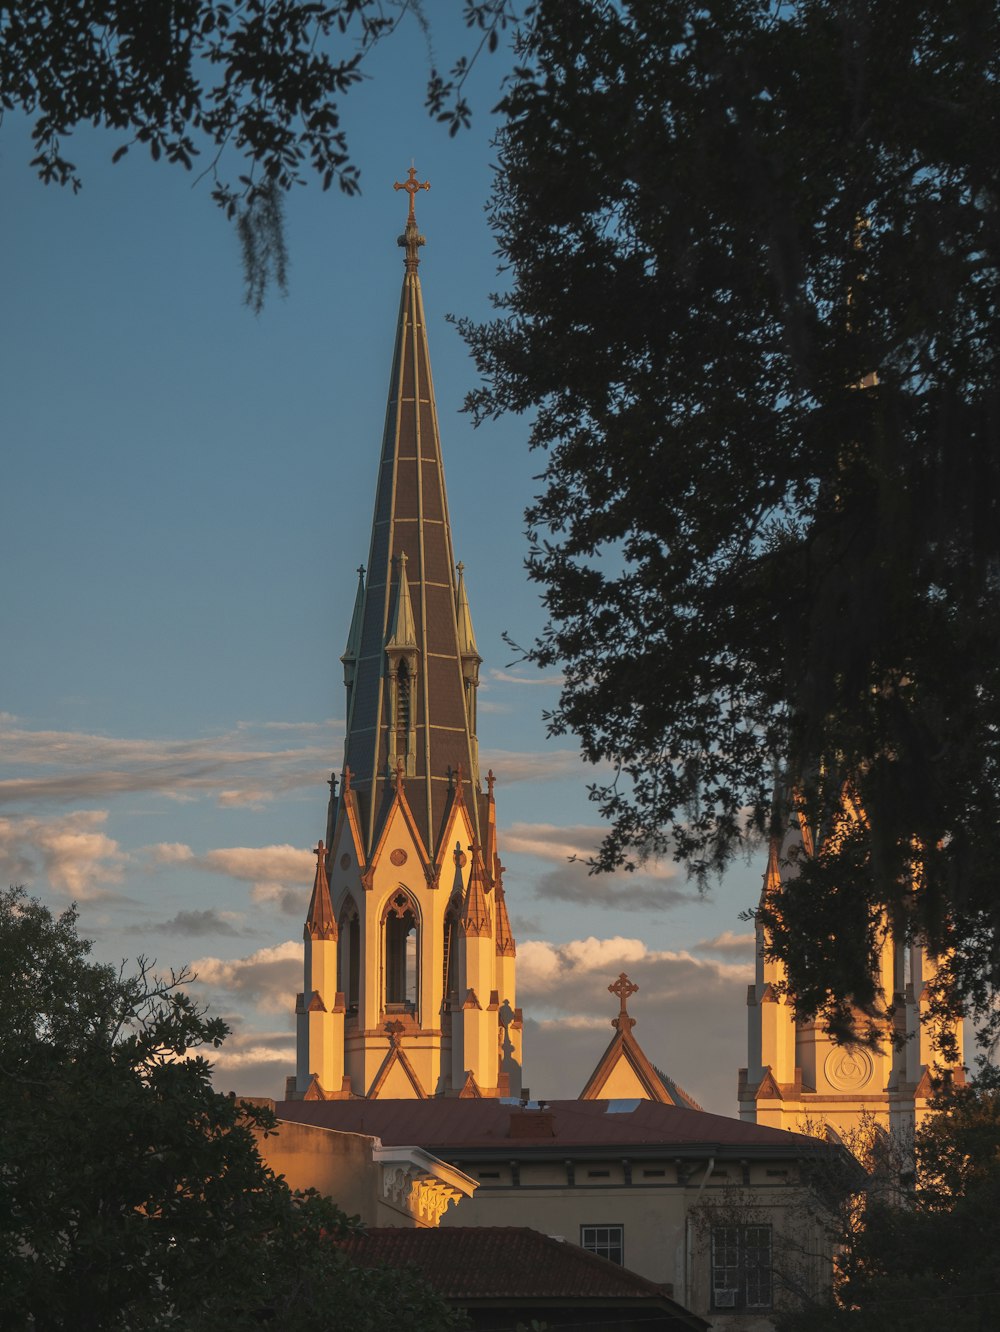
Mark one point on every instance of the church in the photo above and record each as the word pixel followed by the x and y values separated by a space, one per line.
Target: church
pixel 409 958
pixel 797 1077
pixel 409 1037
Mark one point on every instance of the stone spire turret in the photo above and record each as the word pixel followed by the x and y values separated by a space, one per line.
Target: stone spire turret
pixel 353 649
pixel 475 918
pixel 319 1008
pixel 320 920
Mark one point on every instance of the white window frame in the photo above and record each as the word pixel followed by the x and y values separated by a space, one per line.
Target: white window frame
pixel 604 1239
pixel 742 1273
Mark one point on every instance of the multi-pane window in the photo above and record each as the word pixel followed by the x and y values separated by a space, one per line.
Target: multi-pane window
pixel 741 1267
pixel 605 1241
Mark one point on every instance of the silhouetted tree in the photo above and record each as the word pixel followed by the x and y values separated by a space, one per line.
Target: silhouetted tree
pixel 753 313
pixel 186 77
pixel 925 1252
pixel 132 1194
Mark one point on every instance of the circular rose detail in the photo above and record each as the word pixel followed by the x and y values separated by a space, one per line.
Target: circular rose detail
pixel 345 861
pixel 398 856
pixel 848 1070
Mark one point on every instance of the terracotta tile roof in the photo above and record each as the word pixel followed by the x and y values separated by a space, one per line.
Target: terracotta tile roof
pixel 448 1125
pixel 506 1263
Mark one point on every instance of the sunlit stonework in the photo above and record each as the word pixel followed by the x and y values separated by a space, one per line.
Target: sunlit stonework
pixel 796 1077
pixel 409 959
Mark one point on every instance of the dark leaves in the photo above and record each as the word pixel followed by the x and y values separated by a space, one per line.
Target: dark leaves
pixel 755 317
pixel 197 76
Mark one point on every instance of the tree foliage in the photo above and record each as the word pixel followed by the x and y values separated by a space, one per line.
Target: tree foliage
pixel 132 1194
pixel 184 77
pixel 754 253
pixel 922 1249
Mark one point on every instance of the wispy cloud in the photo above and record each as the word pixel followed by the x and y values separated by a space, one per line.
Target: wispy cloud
pixel 268 978
pixel 238 767
pixel 728 944
pixel 570 847
pixel 251 798
pixel 541 766
pixel 517 676
pixel 551 841
pixel 612 892
pixel 277 874
pixel 73 851
pixel 195 924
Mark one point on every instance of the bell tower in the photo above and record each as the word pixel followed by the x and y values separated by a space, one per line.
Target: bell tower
pixel 420 1000
pixel 797 1077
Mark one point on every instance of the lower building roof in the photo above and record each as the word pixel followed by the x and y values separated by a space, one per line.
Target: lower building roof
pixel 513 1265
pixel 447 1126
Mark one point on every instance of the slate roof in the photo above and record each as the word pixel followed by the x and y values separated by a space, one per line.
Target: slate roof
pixel 411 518
pixel 448 1126
pixel 509 1263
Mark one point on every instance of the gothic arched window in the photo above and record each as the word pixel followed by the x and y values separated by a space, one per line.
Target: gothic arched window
pixel 401 954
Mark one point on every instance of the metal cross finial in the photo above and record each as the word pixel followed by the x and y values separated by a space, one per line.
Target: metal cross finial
pixel 320 851
pixel 411 185
pixel 623 987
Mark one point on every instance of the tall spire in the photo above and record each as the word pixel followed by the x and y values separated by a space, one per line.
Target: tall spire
pixel 411 691
pixel 422 959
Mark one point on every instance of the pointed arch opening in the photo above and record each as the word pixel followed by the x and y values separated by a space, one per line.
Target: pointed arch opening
pixel 349 958
pixel 402 708
pixel 400 954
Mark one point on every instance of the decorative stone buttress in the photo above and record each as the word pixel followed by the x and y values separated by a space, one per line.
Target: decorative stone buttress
pixel 797 1077
pixel 409 958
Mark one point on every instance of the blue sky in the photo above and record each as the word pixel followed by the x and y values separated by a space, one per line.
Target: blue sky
pixel 187 494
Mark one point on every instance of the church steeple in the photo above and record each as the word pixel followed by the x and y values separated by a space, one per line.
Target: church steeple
pixel 423 1001
pixel 411 590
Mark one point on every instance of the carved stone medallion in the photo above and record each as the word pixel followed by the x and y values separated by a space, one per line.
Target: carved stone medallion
pixel 398 856
pixel 848 1070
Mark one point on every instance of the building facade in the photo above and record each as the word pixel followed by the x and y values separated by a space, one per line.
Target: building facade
pixel 409 984
pixel 725 1214
pixel 797 1077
